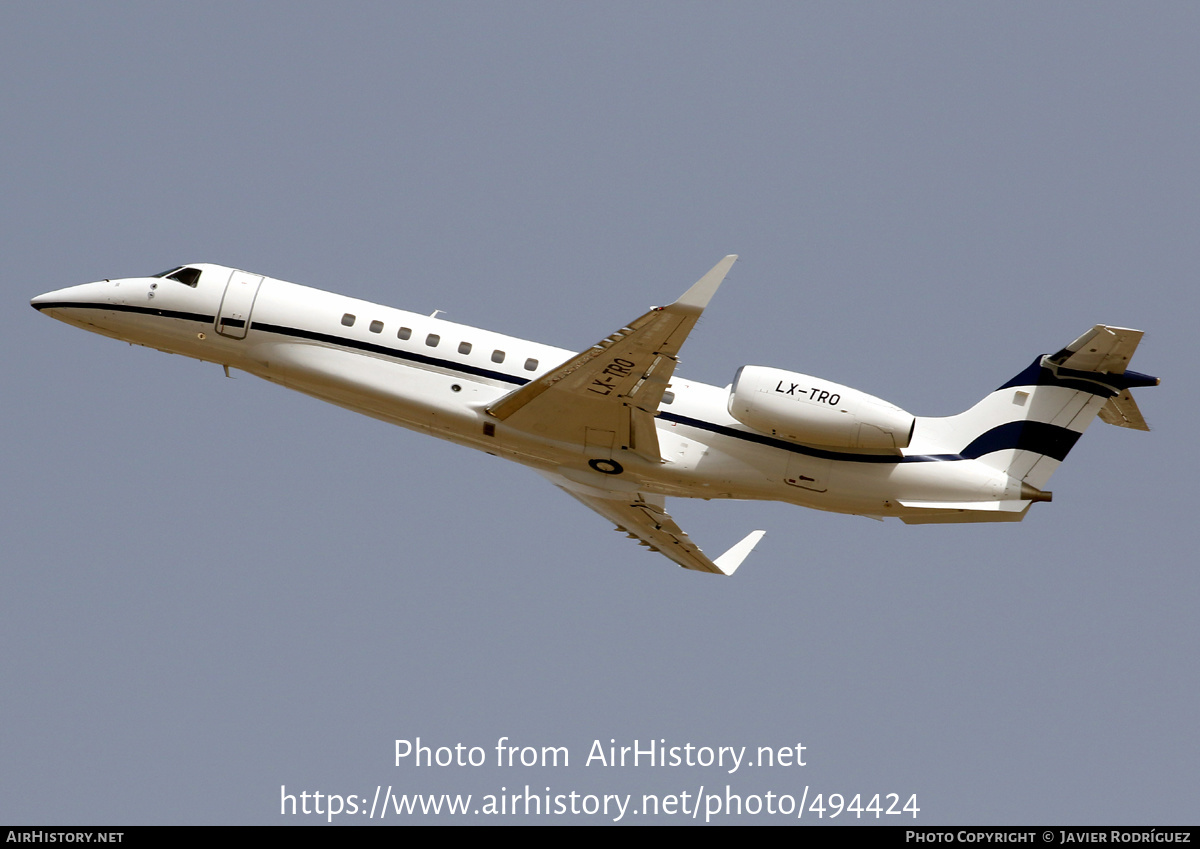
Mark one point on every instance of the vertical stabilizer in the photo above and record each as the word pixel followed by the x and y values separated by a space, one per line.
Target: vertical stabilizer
pixel 1027 426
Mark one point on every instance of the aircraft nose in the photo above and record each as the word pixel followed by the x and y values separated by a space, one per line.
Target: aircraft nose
pixel 41 302
pixel 88 293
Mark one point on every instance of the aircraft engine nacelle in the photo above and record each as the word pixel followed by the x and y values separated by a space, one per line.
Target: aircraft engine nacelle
pixel 810 411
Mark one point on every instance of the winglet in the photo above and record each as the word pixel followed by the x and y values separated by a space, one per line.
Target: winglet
pixel 732 559
pixel 702 290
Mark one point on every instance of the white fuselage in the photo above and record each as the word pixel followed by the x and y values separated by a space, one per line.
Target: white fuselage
pixel 436 376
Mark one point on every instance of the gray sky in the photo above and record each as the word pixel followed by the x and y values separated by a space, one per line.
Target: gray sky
pixel 216 587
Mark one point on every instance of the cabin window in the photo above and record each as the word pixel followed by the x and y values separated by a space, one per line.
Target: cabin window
pixel 348 319
pixel 464 347
pixel 668 397
pixel 432 340
pixel 404 333
pixel 530 364
pixel 376 327
pixel 497 356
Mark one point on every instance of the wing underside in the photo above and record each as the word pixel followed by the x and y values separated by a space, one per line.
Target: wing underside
pixel 643 516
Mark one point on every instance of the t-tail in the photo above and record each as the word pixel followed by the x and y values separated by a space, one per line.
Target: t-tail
pixel 1027 426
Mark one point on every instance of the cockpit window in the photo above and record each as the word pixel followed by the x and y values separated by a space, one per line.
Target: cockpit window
pixel 186 276
pixel 183 274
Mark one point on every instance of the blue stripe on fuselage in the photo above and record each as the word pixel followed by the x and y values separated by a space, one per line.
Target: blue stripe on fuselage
pixel 1038 437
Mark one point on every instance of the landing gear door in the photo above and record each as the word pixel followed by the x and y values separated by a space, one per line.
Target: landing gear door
pixel 233 319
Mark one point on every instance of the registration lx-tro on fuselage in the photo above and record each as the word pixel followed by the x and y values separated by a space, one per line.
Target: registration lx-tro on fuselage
pixel 613 426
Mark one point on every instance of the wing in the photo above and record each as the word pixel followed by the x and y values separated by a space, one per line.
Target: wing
pixel 606 398
pixel 643 517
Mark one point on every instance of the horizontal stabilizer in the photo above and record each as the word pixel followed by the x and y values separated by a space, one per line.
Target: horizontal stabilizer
pixel 1102 349
pixel 1105 350
pixel 1122 411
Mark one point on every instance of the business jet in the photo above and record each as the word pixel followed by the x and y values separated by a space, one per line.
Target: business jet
pixel 612 426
